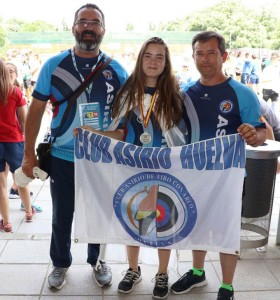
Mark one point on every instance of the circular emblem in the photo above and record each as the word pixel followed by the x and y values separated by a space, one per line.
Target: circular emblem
pixel 155 209
pixel 145 138
pixel 107 74
pixel 226 106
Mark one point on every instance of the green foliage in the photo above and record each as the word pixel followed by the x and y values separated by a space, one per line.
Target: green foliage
pixel 242 27
pixel 175 25
pixel 17 25
pixel 14 25
pixel 38 26
pixel 129 27
pixel 275 42
pixel 2 40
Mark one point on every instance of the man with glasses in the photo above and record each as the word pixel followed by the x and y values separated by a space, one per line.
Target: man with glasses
pixel 58 78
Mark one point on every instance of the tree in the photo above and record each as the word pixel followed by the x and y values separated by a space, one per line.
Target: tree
pixel 14 25
pixel 38 26
pixel 275 43
pixel 2 39
pixel 17 25
pixel 175 25
pixel 129 27
pixel 242 27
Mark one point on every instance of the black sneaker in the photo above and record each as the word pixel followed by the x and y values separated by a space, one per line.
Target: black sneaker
pixel 161 286
pixel 130 279
pixel 13 194
pixel 225 294
pixel 187 282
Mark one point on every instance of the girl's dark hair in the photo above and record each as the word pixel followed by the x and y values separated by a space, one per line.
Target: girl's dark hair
pixel 169 105
pixel 89 5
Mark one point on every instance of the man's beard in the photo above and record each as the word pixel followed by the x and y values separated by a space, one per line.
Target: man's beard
pixel 88 45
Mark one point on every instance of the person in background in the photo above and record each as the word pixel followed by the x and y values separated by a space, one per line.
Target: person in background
pixel 13 70
pixel 271 81
pixel 35 66
pixel 246 69
pixel 60 75
pixel 207 119
pixel 184 75
pixel 14 57
pixel 271 118
pixel 12 103
pixel 148 105
pixel 26 75
pixel 254 78
pixel 264 62
pixel 238 62
pixel 13 194
pixel 272 122
pixel 229 66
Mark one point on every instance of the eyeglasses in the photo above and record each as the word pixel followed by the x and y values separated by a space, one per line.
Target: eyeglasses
pixel 87 23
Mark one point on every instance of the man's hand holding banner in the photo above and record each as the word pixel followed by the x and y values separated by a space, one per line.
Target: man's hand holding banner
pixel 186 197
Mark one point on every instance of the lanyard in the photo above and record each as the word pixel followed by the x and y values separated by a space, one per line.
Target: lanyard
pixel 89 88
pixel 148 115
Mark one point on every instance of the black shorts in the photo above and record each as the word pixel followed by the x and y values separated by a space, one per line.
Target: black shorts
pixel 11 153
pixel 270 94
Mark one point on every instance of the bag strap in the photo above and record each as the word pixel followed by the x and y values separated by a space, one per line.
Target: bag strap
pixel 92 76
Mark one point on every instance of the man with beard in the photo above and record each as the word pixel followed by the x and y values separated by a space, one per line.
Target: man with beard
pixel 58 78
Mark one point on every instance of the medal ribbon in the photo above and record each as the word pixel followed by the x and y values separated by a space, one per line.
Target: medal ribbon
pixel 148 115
pixel 89 88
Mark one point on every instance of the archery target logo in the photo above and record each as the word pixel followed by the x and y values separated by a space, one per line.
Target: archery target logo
pixel 155 209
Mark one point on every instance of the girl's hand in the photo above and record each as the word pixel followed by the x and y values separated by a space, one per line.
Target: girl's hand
pixel 75 131
pixel 86 127
pixel 89 128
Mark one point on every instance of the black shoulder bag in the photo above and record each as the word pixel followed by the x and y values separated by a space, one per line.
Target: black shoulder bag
pixel 44 149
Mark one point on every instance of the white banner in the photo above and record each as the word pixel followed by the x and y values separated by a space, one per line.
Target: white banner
pixel 186 197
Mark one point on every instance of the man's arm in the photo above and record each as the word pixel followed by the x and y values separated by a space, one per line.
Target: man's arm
pixel 32 127
pixel 271 117
pixel 269 130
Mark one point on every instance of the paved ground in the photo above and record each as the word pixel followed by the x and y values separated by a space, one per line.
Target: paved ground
pixel 25 264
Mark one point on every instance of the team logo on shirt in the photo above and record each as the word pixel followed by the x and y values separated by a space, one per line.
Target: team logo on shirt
pixel 148 205
pixel 205 97
pixel 226 106
pixel 108 74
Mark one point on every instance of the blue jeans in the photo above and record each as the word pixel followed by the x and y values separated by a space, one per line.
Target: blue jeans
pixel 62 186
pixel 245 78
